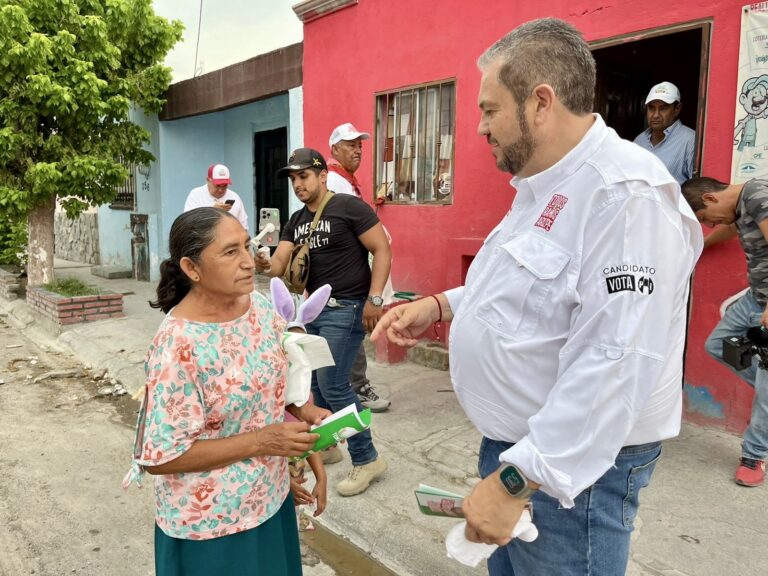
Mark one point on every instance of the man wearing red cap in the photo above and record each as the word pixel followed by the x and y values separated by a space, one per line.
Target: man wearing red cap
pixel 216 194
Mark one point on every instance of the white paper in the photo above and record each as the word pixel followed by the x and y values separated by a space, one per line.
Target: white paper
pixel 351 409
pixel 305 352
pixel 317 350
pixel 472 553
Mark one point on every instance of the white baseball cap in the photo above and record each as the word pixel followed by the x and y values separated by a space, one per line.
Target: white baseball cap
pixel 666 92
pixel 219 174
pixel 346 132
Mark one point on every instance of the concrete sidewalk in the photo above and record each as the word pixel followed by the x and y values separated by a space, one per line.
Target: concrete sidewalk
pixel 693 520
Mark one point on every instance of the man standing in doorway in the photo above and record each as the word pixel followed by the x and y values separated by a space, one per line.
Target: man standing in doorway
pixel 216 194
pixel 346 232
pixel 666 136
pixel 346 144
pixel 745 208
pixel 567 338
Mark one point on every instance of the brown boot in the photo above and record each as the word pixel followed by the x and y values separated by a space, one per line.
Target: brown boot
pixel 360 477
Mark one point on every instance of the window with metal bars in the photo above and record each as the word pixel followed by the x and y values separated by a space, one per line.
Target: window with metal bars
pixel 415 130
pixel 126 193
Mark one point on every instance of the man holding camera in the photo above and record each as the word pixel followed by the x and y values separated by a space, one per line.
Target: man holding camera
pixel 746 207
pixel 216 194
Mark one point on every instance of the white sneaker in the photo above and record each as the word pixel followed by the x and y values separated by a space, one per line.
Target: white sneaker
pixel 369 399
pixel 360 477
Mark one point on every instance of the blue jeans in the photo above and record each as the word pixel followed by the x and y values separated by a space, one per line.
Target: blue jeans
pixel 743 314
pixel 342 327
pixel 590 539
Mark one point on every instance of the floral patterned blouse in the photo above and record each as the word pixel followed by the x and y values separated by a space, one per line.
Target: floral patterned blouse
pixel 205 381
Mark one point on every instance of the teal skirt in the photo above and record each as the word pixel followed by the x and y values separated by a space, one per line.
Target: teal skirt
pixel 270 549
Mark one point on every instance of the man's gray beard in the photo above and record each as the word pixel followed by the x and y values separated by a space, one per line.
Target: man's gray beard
pixel 515 156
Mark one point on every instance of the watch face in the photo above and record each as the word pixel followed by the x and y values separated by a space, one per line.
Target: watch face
pixel 513 480
pixel 377 300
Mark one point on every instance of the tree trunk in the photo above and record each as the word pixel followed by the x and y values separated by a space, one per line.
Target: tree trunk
pixel 41 244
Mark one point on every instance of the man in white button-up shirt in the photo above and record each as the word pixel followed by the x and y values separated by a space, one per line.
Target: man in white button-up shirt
pixel 216 194
pixel 566 341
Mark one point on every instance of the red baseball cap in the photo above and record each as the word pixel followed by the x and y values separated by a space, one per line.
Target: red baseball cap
pixel 219 174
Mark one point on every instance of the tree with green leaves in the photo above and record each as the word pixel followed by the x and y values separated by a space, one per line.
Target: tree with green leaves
pixel 70 71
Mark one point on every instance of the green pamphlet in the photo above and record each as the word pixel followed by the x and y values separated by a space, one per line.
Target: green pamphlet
pixel 436 502
pixel 339 426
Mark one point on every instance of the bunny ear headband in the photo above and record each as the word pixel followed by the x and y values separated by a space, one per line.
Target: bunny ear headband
pixel 305 352
pixel 309 309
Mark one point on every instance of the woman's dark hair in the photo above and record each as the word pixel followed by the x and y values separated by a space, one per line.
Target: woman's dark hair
pixel 191 233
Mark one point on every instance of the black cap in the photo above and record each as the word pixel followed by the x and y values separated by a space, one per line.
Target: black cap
pixel 301 159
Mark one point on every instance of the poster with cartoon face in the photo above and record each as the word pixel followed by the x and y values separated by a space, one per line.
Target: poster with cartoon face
pixel 750 132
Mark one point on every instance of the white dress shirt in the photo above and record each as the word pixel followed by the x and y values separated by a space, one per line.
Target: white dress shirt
pixel 200 197
pixel 568 334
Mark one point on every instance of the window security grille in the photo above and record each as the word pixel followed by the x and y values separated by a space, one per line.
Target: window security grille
pixel 126 193
pixel 415 130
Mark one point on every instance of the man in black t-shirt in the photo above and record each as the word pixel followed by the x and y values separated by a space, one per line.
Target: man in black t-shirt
pixel 348 229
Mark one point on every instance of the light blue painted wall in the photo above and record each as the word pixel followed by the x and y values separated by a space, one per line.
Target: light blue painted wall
pixel 190 145
pixel 114 225
pixel 184 149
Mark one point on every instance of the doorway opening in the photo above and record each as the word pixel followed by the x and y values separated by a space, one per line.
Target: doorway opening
pixel 628 66
pixel 270 153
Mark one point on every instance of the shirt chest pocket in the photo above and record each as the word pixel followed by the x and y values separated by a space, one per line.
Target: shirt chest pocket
pixel 525 270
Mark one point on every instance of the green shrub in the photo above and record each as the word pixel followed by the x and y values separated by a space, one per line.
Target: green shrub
pixel 13 242
pixel 71 287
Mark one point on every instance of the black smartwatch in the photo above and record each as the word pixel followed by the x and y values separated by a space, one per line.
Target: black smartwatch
pixel 514 482
pixel 377 301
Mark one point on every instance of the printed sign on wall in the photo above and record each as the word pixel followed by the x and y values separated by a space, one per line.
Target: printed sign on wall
pixel 750 135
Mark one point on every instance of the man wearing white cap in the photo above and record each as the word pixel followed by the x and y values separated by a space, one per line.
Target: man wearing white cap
pixel 346 144
pixel 666 136
pixel 216 194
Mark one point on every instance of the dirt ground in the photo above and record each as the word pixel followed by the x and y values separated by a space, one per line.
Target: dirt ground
pixel 65 447
pixel 65 444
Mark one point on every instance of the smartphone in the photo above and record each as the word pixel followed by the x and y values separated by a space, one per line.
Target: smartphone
pixel 229 202
pixel 270 216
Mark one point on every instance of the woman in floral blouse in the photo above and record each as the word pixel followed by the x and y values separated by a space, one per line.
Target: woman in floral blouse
pixel 211 427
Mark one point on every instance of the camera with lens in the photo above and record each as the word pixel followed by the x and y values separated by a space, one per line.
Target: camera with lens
pixel 738 351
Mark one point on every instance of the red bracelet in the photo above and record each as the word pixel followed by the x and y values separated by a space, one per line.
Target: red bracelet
pixel 440 308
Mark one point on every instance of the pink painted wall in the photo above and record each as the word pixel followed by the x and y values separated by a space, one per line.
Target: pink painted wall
pixel 380 45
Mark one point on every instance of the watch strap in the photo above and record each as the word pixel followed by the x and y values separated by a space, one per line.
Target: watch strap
pixel 374 298
pixel 514 482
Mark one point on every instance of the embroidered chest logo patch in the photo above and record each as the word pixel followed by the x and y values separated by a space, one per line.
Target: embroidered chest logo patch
pixel 549 215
